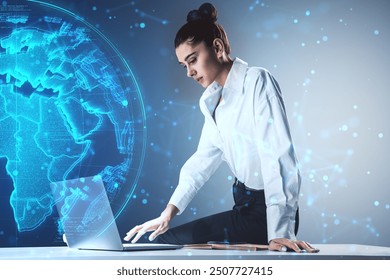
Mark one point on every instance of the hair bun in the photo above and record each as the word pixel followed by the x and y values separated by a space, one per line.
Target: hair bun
pixel 205 12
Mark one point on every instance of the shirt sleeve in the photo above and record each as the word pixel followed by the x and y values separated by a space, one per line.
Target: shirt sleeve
pixel 279 165
pixel 197 169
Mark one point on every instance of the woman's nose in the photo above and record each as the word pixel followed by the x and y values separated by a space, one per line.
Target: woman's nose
pixel 190 72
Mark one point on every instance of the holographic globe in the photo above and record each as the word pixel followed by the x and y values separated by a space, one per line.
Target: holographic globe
pixel 70 107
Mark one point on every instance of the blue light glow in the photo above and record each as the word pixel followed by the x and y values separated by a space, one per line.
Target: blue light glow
pixel 62 107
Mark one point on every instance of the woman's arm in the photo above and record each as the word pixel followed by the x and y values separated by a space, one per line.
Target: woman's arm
pixel 194 173
pixel 279 166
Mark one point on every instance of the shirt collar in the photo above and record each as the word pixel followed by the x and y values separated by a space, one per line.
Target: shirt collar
pixel 234 83
pixel 234 80
pixel 236 76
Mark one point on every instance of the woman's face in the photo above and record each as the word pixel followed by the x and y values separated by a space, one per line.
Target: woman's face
pixel 201 62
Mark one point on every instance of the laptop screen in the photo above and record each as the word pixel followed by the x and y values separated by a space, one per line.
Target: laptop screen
pixel 85 214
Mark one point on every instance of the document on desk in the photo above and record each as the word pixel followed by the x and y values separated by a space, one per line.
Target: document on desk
pixel 227 246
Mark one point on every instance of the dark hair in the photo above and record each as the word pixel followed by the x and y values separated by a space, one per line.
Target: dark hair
pixel 201 26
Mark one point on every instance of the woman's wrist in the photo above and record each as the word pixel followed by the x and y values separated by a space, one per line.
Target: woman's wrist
pixel 170 212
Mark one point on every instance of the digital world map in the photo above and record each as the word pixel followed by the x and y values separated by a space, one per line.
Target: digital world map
pixel 70 107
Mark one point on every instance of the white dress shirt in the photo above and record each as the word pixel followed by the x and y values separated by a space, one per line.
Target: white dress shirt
pixel 251 134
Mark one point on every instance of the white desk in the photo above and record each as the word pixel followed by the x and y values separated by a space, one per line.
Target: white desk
pixel 327 252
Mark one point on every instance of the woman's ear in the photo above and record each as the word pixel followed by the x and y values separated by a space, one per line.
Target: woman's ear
pixel 219 48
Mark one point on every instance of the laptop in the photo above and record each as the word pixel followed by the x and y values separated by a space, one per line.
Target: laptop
pixel 87 219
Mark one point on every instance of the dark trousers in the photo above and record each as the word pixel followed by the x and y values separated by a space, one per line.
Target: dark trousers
pixel 246 222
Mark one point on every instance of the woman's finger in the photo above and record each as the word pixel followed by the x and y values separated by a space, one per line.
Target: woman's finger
pixel 283 245
pixel 164 226
pixel 155 233
pixel 132 232
pixel 138 236
pixel 307 247
pixel 276 246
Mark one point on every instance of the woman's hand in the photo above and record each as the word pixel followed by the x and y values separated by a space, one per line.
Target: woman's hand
pixel 284 244
pixel 158 225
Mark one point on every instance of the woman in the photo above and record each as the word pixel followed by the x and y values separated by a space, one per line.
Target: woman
pixel 246 126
